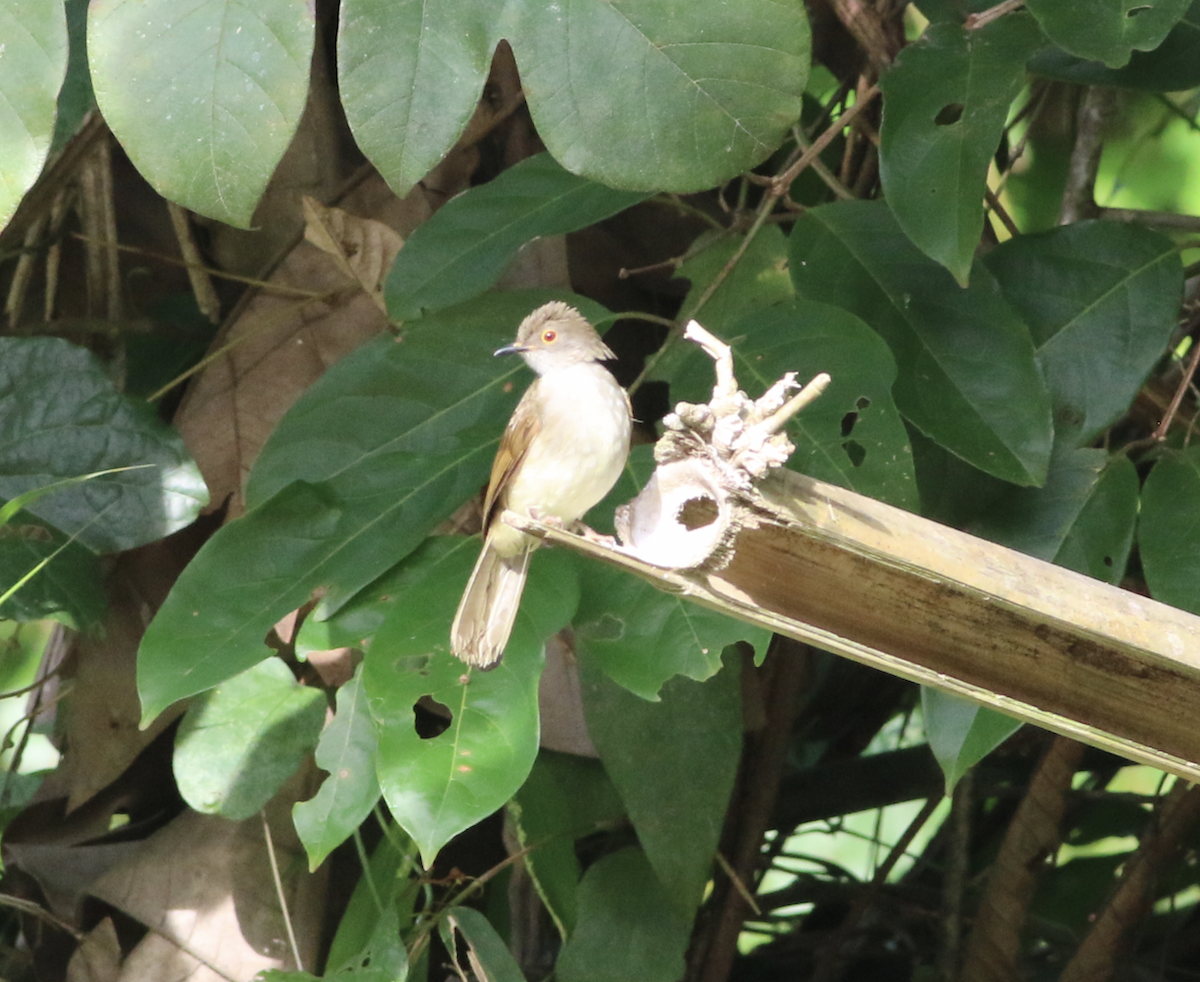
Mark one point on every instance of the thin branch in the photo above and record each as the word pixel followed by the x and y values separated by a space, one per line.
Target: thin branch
pixel 975 21
pixel 1157 219
pixel 279 893
pixel 1160 433
pixel 1079 200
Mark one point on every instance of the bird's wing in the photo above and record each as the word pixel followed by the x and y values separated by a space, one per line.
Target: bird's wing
pixel 522 428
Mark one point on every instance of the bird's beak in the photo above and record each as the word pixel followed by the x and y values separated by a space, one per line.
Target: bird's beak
pixel 510 349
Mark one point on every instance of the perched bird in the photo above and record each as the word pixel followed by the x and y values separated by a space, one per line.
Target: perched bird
pixel 562 451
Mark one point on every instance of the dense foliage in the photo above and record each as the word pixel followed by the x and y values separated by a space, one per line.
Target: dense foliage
pixel 977 219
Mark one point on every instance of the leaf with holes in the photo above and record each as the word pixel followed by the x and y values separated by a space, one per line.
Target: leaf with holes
pixel 641 637
pixel 1107 30
pixel 852 435
pixel 349 792
pixel 945 104
pixel 437 785
pixel 967 377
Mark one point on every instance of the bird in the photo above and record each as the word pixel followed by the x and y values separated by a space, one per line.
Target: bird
pixel 562 451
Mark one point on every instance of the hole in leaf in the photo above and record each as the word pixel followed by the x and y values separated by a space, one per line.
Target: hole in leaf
pixel 697 512
pixel 855 451
pixel 431 718
pixel 1134 11
pixel 1108 560
pixel 862 402
pixel 949 115
pixel 848 422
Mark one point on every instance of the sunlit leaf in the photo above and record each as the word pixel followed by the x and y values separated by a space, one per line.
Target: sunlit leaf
pixel 32 67
pixel 350 791
pixel 238 744
pixel 204 95
pixel 61 417
pixel 437 786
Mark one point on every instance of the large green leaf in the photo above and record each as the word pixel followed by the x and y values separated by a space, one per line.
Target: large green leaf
pixel 1107 30
pixel 852 435
pixel 565 798
pixel 61 417
pixel 33 65
pixel 629 927
pixel 463 249
pixel 410 74
pixel 1101 300
pixel 945 104
pixel 650 750
pixel 1169 530
pixel 641 637
pixel 384 446
pixel 204 95
pixel 646 96
pixel 1171 67
pixel 438 786
pixel 349 792
pixel 967 377
pixel 239 743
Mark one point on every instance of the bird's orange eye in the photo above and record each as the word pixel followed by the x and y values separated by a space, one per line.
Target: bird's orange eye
pixel 549 336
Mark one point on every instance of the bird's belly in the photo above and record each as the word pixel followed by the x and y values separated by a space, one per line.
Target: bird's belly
pixel 576 457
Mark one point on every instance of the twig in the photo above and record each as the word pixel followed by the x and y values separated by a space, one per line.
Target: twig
pixel 1160 219
pixel 283 905
pixel 1160 432
pixel 202 286
pixel 1001 212
pixel 985 17
pixel 1079 199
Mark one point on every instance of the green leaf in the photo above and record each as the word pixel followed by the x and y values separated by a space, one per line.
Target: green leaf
pixel 204 95
pixel 852 435
pixel 661 96
pixel 466 245
pixel 70 583
pixel 960 733
pixel 347 752
pixel 1171 67
pixel 1082 518
pixel 410 75
pixel 641 636
pixel 564 798
pixel 945 104
pixel 1169 530
pixel 650 750
pixel 238 745
pixel 1101 300
pixel 629 927
pixel 440 785
pixel 489 955
pixel 32 70
pixel 76 98
pixel 1107 30
pixel 397 435
pixel 967 377
pixel 51 431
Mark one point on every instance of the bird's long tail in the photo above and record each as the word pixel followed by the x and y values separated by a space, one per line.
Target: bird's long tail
pixel 488 607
